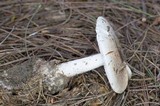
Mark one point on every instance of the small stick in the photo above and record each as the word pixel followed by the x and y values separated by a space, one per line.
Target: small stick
pixel 144 10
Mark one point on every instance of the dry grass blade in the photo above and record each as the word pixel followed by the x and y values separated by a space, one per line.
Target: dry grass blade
pixel 65 30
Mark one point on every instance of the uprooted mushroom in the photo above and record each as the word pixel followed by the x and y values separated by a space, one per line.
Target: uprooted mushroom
pixel 55 76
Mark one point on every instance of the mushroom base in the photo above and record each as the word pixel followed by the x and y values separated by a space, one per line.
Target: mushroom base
pixel 53 79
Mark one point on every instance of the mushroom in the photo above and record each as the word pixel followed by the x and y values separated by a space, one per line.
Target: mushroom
pixel 55 76
pixel 116 69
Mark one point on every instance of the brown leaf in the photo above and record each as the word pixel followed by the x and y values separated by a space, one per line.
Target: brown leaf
pixel 156 21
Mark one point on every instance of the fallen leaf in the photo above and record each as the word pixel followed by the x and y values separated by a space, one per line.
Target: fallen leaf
pixel 156 21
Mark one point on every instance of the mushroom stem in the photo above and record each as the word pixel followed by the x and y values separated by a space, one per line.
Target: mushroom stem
pixel 79 66
pixel 83 65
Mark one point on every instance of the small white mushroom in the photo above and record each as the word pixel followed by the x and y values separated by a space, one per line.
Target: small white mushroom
pixel 55 76
pixel 116 69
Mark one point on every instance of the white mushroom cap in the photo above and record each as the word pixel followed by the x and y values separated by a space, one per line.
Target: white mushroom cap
pixel 115 68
